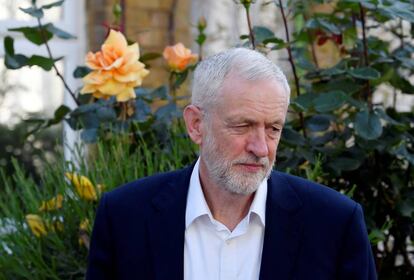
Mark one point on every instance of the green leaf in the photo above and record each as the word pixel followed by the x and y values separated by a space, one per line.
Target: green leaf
pixel 293 137
pixel 369 4
pixel 383 115
pixel 364 73
pixel 368 125
pixel 398 9
pixel 180 78
pixel 305 101
pixel 60 113
pixel 142 110
pixel 35 35
pixel 54 4
pixel 15 62
pixel 106 114
pixel 406 207
pixel 262 33
pixel 345 164
pixel 41 61
pixel 58 32
pixel 167 112
pixel 329 101
pixel 89 135
pixel 34 12
pixel 316 23
pixel 201 38
pixel 81 71
pixel 407 62
pixel 279 43
pixel 402 151
pixel 160 92
pixel 318 122
pixel 9 45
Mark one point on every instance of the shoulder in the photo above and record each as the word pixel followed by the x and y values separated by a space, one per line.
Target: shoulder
pixel 314 197
pixel 144 190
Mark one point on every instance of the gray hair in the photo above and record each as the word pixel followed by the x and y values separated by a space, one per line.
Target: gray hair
pixel 247 64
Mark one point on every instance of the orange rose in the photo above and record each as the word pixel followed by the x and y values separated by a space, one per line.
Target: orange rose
pixel 179 57
pixel 115 69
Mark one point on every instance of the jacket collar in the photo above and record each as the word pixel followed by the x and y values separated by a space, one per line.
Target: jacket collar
pixel 283 230
pixel 166 226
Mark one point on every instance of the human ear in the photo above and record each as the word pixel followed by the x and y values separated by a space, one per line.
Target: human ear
pixel 192 118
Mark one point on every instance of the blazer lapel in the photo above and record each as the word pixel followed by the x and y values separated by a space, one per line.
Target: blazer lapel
pixel 283 229
pixel 167 226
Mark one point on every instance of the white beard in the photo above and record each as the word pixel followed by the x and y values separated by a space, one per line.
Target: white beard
pixel 222 170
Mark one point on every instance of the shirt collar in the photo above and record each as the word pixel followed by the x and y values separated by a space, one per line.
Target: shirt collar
pixel 197 204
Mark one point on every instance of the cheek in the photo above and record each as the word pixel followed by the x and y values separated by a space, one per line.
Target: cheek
pixel 273 147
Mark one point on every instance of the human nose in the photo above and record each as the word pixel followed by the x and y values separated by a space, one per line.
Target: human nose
pixel 257 143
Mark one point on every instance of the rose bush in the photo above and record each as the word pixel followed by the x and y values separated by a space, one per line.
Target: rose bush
pixel 116 70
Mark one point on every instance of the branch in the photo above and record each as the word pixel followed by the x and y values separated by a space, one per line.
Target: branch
pixel 292 63
pixel 365 51
pixel 39 23
pixel 249 24
pixel 122 24
pixel 171 22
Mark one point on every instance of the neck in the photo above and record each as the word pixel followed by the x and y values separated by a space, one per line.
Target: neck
pixel 226 207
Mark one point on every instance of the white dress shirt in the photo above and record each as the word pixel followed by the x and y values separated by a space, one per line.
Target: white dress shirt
pixel 211 250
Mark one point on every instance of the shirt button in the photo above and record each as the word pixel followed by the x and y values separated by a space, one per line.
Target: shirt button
pixel 228 242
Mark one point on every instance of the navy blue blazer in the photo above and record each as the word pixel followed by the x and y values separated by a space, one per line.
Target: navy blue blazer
pixel 312 232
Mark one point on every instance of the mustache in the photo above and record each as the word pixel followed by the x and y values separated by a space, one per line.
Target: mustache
pixel 252 159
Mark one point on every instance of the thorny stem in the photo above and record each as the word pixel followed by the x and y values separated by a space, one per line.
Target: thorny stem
pixel 249 24
pixel 122 26
pixel 292 63
pixel 365 48
pixel 401 36
pixel 171 22
pixel 124 111
pixel 200 52
pixel 39 23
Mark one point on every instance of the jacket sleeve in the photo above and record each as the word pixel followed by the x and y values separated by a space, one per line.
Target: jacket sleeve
pixel 356 259
pixel 100 260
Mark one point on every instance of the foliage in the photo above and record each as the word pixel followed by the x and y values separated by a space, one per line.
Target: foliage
pixel 364 148
pixel 52 242
pixel 98 112
pixel 335 133
pixel 27 150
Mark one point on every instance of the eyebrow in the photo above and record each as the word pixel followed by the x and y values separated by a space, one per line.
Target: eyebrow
pixel 243 119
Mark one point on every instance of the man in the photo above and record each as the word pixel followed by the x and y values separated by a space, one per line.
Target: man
pixel 229 216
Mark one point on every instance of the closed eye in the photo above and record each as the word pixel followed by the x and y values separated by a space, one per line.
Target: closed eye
pixel 274 131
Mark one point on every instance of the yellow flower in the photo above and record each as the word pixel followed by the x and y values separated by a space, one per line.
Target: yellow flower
pixel 179 57
pixel 84 228
pixel 52 204
pixel 83 186
pixel 55 226
pixel 115 69
pixel 85 225
pixel 36 224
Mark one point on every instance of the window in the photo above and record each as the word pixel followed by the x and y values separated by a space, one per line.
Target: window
pixel 30 91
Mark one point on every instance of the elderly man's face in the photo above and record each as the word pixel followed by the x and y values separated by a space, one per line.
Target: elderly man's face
pixel 242 132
